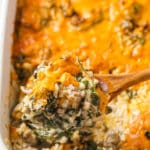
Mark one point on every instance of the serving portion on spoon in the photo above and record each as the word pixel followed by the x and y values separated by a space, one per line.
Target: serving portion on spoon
pixel 65 106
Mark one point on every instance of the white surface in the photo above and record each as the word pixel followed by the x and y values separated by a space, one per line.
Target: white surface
pixel 7 15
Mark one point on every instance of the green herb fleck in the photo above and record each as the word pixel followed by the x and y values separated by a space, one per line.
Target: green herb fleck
pixel 142 40
pixel 44 22
pixel 131 93
pixel 136 8
pixel 85 82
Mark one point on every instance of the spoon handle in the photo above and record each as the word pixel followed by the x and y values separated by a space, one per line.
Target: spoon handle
pixel 114 84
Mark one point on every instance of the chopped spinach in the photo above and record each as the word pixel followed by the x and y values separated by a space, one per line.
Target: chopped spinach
pixel 78 120
pixel 79 76
pixel 85 132
pixel 95 99
pixel 90 145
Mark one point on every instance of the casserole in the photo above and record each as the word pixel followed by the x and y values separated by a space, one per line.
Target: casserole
pixel 123 40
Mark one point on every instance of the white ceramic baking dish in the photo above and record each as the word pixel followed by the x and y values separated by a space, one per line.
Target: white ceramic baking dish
pixel 7 17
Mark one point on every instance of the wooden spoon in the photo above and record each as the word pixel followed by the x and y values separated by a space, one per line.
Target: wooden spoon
pixel 112 85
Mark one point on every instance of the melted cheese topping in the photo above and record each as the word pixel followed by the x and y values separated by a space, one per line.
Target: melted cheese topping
pixel 111 36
